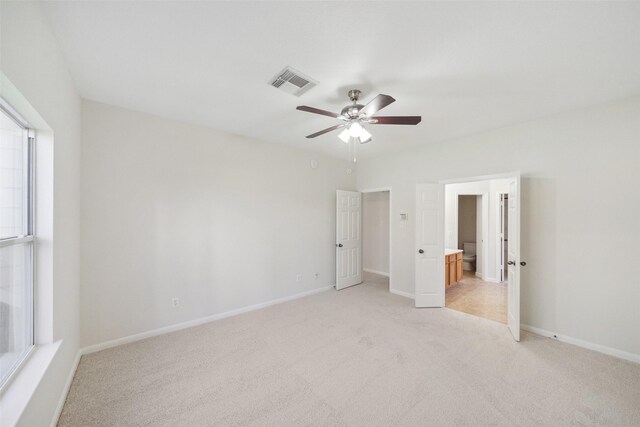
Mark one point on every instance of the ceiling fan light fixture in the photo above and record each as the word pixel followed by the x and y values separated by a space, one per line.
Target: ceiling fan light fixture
pixel 355 130
pixel 355 115
pixel 364 136
pixel 345 135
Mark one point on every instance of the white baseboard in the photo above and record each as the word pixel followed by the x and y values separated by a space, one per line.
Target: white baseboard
pixel 381 273
pixel 402 293
pixel 584 344
pixel 171 328
pixel 65 390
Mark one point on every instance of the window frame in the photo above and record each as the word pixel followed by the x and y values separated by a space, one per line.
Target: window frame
pixel 29 239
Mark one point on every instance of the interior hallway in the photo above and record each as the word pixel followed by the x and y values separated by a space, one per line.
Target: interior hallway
pixel 475 296
pixel 360 356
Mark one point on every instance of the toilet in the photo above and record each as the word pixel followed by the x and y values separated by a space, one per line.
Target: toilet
pixel 469 256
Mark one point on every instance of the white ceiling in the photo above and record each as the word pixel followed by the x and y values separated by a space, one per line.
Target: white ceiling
pixel 465 67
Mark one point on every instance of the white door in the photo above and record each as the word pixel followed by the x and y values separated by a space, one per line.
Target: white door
pixel 429 245
pixel 348 239
pixel 513 262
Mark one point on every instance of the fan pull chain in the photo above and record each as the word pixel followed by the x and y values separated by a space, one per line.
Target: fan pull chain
pixel 350 147
pixel 355 147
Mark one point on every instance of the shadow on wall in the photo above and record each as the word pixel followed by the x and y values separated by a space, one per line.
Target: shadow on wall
pixel 542 243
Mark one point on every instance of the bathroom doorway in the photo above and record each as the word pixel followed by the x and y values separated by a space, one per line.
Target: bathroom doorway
pixel 469 230
pixel 474 236
pixel 376 238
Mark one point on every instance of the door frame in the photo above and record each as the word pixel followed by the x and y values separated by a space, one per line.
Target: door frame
pixel 484 227
pixel 463 180
pixel 501 259
pixel 390 190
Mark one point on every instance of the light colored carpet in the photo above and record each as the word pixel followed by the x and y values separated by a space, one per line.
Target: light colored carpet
pixel 358 357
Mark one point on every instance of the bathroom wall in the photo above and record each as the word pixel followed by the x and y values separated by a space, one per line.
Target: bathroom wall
pixel 375 232
pixel 466 219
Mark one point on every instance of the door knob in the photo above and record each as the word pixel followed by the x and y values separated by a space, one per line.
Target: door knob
pixel 511 262
pixel 522 263
pixel 421 251
pixel 339 245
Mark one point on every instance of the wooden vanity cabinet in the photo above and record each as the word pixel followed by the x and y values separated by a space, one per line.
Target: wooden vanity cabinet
pixel 452 269
pixel 447 271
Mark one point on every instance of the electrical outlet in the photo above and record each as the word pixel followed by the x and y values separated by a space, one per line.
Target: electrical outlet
pixel 175 302
pixel 298 277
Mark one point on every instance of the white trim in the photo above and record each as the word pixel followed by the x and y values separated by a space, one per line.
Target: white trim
pixel 480 178
pixel 15 399
pixel 402 293
pixel 11 112
pixel 381 273
pixel 376 190
pixel 632 357
pixel 65 390
pixel 15 240
pixel 184 325
pixel 15 368
pixel 500 258
pixel 12 96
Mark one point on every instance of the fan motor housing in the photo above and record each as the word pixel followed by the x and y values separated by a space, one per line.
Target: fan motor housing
pixel 351 111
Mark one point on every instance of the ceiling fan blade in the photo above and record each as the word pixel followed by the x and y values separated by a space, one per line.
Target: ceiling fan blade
pixel 318 111
pixel 395 120
pixel 376 104
pixel 322 132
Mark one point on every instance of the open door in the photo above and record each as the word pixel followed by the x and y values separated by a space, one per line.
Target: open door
pixel 513 263
pixel 348 239
pixel 429 245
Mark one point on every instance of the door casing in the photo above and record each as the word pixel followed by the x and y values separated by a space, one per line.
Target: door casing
pixel 518 257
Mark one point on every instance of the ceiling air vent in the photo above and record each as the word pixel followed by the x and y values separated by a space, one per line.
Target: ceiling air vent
pixel 292 81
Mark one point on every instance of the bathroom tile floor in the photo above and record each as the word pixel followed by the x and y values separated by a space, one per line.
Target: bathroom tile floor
pixel 474 296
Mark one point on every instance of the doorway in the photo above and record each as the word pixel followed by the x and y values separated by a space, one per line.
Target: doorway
pixel 363 238
pixel 376 238
pixel 469 230
pixel 479 290
pixel 437 240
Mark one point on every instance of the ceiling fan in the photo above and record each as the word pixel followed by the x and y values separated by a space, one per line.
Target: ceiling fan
pixel 354 116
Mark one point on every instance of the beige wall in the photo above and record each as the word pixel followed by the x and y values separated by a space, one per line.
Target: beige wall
pixel 570 240
pixel 173 210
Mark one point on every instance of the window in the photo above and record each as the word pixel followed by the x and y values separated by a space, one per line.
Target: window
pixel 16 243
